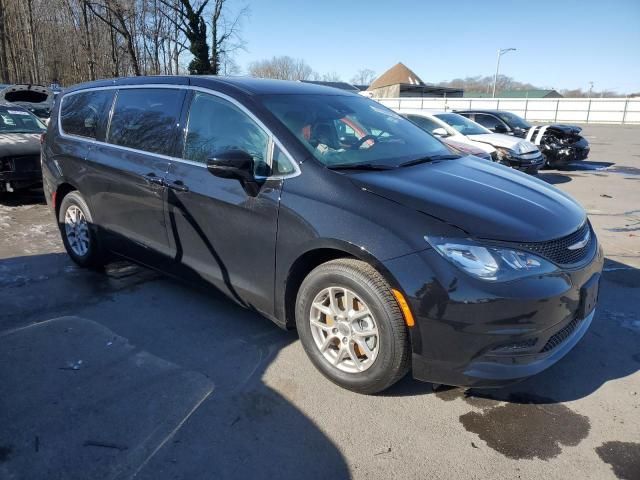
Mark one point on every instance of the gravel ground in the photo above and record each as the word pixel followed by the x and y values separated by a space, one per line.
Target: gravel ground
pixel 133 374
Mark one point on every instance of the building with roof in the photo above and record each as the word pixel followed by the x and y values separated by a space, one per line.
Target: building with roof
pixel 532 93
pixel 401 81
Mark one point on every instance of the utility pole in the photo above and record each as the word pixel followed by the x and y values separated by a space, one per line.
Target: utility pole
pixel 495 79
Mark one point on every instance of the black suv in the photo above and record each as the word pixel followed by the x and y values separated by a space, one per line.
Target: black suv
pixel 324 210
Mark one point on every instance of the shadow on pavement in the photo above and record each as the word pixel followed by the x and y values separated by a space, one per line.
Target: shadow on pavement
pixel 243 429
pixel 554 178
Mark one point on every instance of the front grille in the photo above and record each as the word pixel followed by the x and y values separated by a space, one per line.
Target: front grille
pixel 557 250
pixel 560 336
pixel 25 163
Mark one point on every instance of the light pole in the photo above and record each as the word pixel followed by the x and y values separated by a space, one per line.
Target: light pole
pixel 495 79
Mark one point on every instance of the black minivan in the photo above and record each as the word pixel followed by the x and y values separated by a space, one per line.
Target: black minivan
pixel 327 212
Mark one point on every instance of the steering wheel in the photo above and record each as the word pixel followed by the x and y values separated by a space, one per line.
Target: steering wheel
pixel 361 141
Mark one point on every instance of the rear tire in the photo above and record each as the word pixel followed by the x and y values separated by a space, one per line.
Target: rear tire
pixel 366 344
pixel 79 234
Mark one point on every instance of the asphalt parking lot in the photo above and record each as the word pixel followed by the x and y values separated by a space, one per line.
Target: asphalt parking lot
pixel 129 373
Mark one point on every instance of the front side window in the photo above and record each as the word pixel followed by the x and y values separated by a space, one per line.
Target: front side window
pixel 18 120
pixel 462 124
pixel 344 130
pixel 85 114
pixel 514 120
pixel 146 119
pixel 216 125
pixel 487 121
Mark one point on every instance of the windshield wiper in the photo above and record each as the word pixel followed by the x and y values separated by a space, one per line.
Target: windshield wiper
pixel 359 166
pixel 429 158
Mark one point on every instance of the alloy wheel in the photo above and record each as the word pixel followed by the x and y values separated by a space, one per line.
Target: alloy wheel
pixel 344 329
pixel 76 229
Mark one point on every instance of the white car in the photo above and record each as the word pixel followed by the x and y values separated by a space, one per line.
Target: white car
pixel 506 149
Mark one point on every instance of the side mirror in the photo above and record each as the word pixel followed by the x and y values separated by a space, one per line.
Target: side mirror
pixel 236 164
pixel 500 128
pixel 439 132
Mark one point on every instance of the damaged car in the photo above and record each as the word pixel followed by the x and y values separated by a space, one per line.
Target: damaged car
pixel 560 144
pixel 505 149
pixel 37 99
pixel 20 133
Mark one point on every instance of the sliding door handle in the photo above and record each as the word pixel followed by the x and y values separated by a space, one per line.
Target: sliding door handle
pixel 153 178
pixel 178 186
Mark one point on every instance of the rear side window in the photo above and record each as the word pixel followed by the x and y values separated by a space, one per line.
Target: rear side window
pixel 424 123
pixel 146 119
pixel 85 114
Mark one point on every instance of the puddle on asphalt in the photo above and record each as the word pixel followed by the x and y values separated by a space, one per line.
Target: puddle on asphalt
pixel 520 426
pixel 624 458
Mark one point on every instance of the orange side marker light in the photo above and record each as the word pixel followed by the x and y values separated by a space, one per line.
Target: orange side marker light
pixel 404 306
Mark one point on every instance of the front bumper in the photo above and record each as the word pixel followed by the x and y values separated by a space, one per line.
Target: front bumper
pixel 529 163
pixel 474 333
pixel 571 153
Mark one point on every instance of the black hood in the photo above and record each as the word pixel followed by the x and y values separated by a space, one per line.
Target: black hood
pixel 566 129
pixel 485 199
pixel 18 144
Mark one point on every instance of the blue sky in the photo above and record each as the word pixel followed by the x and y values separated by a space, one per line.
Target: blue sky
pixel 561 44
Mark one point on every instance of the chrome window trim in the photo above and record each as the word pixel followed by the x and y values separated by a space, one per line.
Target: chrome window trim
pixel 230 99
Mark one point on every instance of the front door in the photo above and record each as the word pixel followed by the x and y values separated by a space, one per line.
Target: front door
pixel 220 232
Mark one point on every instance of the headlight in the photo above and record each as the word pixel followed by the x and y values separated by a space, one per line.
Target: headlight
pixel 490 263
pixel 525 147
pixel 504 153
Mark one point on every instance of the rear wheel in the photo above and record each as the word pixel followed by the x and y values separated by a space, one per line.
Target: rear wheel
pixel 79 233
pixel 351 327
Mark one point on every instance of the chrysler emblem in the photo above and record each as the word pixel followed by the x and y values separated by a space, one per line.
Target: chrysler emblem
pixel 581 243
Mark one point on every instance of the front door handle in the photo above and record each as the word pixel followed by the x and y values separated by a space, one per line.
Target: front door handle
pixel 153 178
pixel 178 186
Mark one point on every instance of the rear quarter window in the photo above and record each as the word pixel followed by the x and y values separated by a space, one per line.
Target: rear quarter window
pixel 85 114
pixel 146 119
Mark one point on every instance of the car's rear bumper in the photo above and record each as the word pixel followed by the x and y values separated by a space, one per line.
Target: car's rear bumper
pixel 471 332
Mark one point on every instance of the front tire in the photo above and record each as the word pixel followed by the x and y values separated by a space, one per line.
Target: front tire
pixel 79 233
pixel 351 326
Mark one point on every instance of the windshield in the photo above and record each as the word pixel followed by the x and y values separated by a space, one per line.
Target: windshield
pixel 17 120
pixel 514 120
pixel 462 124
pixel 352 130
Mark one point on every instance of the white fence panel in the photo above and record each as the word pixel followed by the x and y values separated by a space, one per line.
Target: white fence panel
pixel 576 110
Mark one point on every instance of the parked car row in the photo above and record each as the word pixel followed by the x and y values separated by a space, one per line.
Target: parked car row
pixel 513 152
pixel 560 144
pixel 330 213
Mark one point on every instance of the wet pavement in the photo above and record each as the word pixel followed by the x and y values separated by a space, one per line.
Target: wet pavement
pixel 130 374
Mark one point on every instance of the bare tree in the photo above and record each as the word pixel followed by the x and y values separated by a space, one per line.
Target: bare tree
pixel 4 59
pixel 189 19
pixel 114 37
pixel 118 16
pixel 331 77
pixel 283 68
pixel 224 35
pixel 364 77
